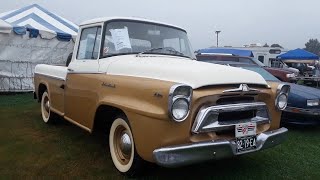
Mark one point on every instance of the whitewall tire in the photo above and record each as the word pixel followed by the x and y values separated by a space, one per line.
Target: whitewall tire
pixel 47 115
pixel 122 148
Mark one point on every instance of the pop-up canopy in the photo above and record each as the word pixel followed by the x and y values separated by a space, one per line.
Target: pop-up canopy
pixel 298 54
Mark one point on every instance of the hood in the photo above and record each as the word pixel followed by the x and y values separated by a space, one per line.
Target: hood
pixel 299 94
pixel 293 70
pixel 181 70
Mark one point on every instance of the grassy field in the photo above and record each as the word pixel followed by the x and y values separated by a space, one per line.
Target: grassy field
pixel 30 149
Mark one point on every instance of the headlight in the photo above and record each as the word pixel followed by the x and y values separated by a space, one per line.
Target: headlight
pixel 180 109
pixel 282 101
pixel 179 102
pixel 291 75
pixel 282 96
pixel 312 102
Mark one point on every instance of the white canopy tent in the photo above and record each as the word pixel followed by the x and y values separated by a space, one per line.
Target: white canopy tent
pixel 31 36
pixel 5 27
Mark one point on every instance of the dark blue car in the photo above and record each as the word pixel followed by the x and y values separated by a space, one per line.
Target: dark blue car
pixel 303 106
pixel 303 103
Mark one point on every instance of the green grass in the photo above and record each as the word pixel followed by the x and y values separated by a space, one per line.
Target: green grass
pixel 31 149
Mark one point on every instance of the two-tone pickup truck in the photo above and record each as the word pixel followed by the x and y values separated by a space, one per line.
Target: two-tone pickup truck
pixel 139 80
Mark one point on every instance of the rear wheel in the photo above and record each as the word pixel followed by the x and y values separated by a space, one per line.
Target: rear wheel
pixel 47 115
pixel 122 148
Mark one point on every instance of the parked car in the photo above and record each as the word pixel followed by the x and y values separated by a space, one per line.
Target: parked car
pixel 303 102
pixel 278 63
pixel 133 78
pixel 284 75
pixel 304 68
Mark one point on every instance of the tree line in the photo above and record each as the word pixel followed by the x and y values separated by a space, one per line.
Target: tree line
pixel 313 46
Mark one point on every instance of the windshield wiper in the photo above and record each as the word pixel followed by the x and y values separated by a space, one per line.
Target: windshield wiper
pixel 160 48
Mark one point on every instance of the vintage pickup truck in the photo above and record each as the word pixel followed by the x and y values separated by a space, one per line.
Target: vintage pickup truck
pixel 139 80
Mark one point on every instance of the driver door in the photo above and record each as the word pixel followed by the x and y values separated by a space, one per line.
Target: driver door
pixel 80 94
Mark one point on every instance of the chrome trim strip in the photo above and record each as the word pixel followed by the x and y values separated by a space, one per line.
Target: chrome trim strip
pixel 77 124
pixel 85 72
pixel 56 111
pixel 314 112
pixel 186 154
pixel 204 124
pixel 51 76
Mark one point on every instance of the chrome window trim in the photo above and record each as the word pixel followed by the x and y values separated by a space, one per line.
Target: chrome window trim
pixel 200 125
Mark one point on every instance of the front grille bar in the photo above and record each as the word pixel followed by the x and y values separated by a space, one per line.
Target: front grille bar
pixel 207 119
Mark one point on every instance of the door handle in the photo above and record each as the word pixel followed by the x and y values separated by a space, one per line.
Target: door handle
pixel 71 70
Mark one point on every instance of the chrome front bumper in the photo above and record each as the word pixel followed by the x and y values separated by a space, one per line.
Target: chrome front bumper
pixel 175 156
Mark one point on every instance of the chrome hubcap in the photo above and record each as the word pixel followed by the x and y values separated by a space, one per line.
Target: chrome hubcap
pixel 125 144
pixel 47 105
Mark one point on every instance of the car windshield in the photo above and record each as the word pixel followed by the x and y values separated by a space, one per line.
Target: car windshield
pixel 208 57
pixel 258 62
pixel 249 66
pixel 229 58
pixel 265 74
pixel 134 37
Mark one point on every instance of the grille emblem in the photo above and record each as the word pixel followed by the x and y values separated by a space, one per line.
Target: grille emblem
pixel 242 88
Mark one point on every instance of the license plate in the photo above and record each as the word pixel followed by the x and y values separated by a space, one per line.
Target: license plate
pixel 246 136
pixel 246 143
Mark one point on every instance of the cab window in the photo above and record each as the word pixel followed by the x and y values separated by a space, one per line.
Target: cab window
pixel 89 43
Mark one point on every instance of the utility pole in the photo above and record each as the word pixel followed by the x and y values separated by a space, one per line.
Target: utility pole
pixel 217 32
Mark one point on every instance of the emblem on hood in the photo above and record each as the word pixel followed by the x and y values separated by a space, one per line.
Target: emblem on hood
pixel 242 88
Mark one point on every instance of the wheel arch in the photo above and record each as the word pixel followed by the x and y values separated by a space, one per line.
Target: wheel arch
pixel 41 89
pixel 104 116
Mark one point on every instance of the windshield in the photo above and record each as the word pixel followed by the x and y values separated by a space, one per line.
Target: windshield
pixel 130 37
pixel 205 57
pixel 265 74
pixel 258 62
pixel 229 58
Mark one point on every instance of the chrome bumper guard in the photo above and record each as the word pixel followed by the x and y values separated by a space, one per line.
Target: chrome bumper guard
pixel 175 156
pixel 207 119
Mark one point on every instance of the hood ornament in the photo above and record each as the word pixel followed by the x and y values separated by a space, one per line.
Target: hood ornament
pixel 242 88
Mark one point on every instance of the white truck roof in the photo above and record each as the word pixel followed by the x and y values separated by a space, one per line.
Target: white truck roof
pixel 104 19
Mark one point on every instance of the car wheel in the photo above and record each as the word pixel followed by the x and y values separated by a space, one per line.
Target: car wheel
pixel 122 148
pixel 47 115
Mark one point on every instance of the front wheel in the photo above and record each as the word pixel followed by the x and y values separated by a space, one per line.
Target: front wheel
pixel 122 148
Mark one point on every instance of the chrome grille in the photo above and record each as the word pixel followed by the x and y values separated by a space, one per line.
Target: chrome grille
pixel 214 118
